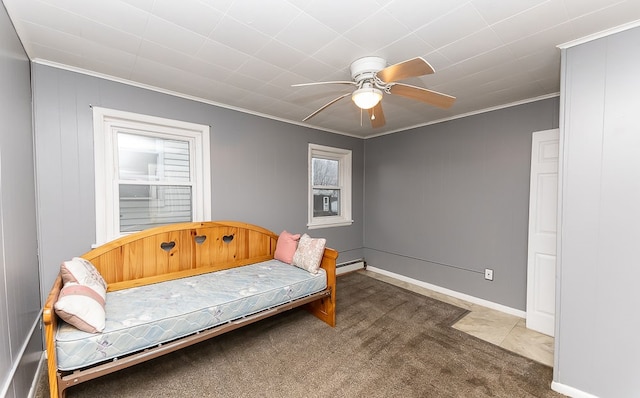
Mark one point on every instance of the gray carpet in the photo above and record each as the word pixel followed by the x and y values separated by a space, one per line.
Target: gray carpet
pixel 388 342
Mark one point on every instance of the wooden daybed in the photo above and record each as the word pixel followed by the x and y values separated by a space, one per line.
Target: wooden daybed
pixel 186 250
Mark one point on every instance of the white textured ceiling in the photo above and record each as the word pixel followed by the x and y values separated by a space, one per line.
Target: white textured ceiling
pixel 245 54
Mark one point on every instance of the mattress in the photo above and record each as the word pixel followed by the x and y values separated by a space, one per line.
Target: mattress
pixel 146 316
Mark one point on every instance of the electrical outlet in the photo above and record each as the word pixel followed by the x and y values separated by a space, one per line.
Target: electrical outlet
pixel 488 274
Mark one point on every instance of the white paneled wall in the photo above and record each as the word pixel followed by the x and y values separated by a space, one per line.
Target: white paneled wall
pixel 597 347
pixel 20 337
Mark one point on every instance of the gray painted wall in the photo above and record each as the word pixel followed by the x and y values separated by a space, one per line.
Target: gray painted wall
pixel 597 346
pixel 444 202
pixel 20 349
pixel 258 165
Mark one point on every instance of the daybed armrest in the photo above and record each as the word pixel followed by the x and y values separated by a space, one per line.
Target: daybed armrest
pixel 50 320
pixel 325 308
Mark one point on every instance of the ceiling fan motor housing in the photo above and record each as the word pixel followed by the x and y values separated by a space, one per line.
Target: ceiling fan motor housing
pixel 365 68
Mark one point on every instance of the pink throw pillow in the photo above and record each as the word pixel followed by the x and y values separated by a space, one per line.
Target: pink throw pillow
pixel 286 247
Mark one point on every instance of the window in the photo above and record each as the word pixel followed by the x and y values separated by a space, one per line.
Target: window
pixel 149 171
pixel 329 187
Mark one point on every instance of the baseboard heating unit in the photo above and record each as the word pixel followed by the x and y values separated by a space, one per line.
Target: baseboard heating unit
pixel 350 266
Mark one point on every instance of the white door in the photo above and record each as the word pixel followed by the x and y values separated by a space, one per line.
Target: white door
pixel 543 208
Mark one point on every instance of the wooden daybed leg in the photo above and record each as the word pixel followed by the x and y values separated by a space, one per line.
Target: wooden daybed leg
pixel 325 308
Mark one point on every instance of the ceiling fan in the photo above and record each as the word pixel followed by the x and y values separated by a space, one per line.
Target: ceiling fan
pixel 372 78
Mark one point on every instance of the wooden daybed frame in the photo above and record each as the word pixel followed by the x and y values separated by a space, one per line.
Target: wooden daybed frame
pixel 172 252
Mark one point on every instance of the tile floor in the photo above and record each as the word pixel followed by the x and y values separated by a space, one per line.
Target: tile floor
pixel 505 330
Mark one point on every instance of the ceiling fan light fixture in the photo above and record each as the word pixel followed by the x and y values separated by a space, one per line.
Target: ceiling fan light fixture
pixel 366 97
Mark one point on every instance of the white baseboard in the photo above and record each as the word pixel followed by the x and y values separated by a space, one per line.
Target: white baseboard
pixel 42 367
pixel 452 293
pixel 12 372
pixel 570 391
pixel 342 269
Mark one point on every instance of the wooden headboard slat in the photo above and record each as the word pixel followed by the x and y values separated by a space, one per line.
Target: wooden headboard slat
pixel 171 252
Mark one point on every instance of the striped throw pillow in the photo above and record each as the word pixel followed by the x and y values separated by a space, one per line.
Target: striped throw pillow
pixel 81 306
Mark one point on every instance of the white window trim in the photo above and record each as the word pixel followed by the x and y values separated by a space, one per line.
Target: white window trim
pixel 106 122
pixel 343 156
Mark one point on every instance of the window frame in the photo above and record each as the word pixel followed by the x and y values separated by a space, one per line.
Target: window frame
pixel 344 158
pixel 106 125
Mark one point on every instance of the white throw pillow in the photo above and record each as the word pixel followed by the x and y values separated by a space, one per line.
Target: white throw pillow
pixel 309 253
pixel 79 270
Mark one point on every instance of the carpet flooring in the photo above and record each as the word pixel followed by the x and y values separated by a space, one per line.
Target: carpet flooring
pixel 388 342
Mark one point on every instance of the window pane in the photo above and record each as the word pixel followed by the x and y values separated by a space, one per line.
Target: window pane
pixel 145 206
pixel 325 172
pixel 142 158
pixel 326 202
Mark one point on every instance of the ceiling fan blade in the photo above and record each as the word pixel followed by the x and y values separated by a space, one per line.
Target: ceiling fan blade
pixel 422 94
pixel 325 106
pixel 319 83
pixel 376 116
pixel 409 68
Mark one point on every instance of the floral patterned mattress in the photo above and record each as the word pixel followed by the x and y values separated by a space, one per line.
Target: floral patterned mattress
pixel 146 316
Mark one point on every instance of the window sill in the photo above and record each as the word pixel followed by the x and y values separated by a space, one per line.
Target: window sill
pixel 344 223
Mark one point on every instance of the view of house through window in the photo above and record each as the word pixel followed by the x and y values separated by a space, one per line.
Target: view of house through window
pixel 326 189
pixel 330 186
pixel 150 171
pixel 154 181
